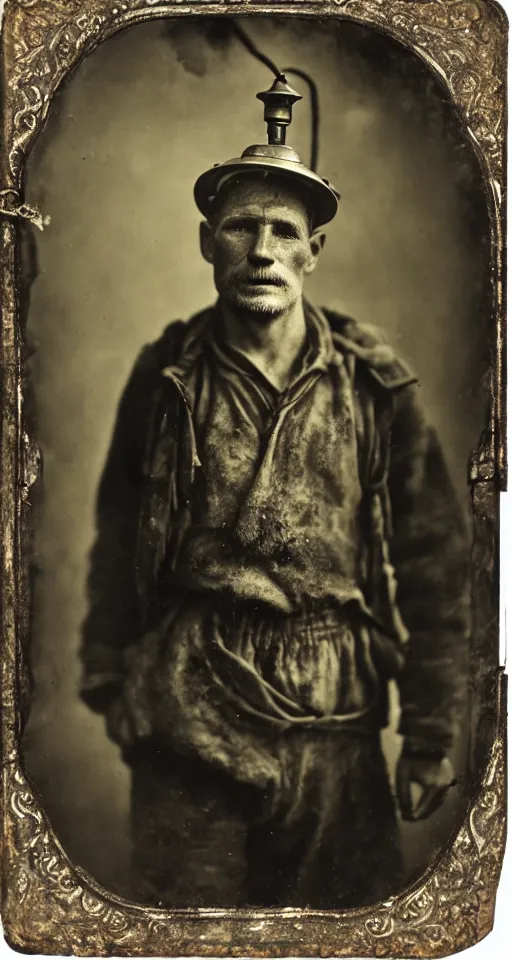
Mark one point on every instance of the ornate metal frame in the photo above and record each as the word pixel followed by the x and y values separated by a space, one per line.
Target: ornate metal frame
pixel 49 905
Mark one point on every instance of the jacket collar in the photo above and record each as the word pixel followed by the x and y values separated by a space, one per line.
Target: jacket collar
pixel 320 354
pixel 192 346
pixel 322 347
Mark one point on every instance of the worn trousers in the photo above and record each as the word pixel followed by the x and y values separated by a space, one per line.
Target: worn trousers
pixel 202 839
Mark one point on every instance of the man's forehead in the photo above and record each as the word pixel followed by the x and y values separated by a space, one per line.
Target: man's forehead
pixel 262 198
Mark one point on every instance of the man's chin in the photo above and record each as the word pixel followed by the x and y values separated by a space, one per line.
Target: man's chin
pixel 263 306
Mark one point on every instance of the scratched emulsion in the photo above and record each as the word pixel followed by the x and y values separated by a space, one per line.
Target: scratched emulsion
pixel 139 121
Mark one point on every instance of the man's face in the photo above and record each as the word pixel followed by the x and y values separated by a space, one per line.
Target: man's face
pixel 261 246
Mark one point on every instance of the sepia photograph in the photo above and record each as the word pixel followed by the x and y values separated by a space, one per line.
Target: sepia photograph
pixel 260 335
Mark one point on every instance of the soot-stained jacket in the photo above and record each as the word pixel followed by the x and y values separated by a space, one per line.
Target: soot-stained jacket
pixel 413 555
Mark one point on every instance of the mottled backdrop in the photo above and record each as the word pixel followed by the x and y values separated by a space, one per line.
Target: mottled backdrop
pixel 139 120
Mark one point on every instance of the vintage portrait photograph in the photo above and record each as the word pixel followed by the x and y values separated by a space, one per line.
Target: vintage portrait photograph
pixel 259 359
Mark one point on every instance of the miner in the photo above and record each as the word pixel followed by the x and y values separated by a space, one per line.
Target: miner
pixel 277 540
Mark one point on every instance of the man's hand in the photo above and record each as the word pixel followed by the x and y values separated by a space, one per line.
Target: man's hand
pixel 433 774
pixel 119 725
pixel 129 716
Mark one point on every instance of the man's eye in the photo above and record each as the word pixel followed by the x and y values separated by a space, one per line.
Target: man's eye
pixel 285 233
pixel 238 228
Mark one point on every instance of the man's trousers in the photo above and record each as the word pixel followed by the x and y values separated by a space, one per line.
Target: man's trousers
pixel 327 839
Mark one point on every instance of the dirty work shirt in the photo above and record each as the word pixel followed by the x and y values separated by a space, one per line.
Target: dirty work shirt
pixel 275 518
pixel 267 657
pixel 275 526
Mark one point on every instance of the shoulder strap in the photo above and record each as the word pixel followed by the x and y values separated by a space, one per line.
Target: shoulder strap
pixel 368 344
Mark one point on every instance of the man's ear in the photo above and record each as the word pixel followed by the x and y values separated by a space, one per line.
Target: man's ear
pixel 206 240
pixel 316 242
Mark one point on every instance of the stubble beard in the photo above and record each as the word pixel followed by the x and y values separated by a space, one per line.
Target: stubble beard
pixel 257 309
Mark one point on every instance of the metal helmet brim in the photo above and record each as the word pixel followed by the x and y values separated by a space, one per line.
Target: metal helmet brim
pixel 320 198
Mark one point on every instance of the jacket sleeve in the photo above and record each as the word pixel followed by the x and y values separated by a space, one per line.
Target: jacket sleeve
pixel 429 548
pixel 113 620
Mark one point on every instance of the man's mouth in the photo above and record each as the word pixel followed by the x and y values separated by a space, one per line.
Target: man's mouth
pixel 263 281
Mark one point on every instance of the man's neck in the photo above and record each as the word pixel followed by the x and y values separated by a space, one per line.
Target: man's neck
pixel 273 345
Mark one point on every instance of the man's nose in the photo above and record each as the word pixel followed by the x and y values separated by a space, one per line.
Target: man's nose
pixel 261 253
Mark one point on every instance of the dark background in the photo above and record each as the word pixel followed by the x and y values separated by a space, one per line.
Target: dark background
pixel 141 118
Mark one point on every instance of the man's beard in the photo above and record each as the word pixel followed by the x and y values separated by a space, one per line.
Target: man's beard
pixel 256 308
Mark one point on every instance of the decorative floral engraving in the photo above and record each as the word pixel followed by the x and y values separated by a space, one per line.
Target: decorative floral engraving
pixel 49 905
pixel 447 909
pixel 46 38
pixel 451 907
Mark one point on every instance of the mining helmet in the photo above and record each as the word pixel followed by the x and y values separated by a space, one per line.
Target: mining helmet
pixel 274 157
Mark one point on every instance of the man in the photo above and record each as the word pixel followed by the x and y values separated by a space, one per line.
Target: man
pixel 271 470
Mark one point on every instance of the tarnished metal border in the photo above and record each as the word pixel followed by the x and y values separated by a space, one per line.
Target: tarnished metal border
pixel 50 906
